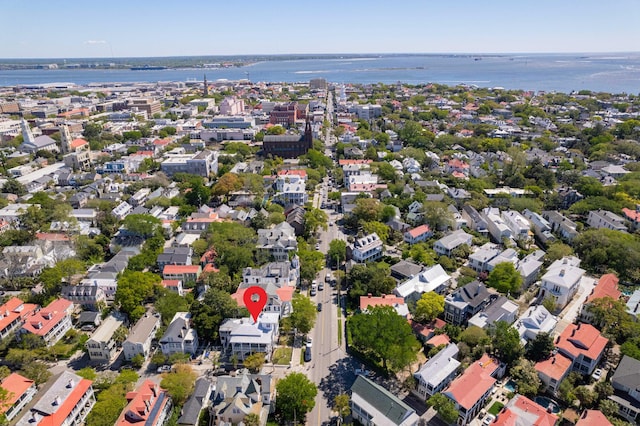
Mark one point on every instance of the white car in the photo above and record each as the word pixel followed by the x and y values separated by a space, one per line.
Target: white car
pixel 488 419
pixel 597 374
pixel 164 369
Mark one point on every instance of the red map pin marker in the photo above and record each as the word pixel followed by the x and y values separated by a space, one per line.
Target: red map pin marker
pixel 254 299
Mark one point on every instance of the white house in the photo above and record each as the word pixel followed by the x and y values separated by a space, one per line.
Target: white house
pixel 139 340
pixel 367 249
pixel 445 245
pixel 536 319
pixel 437 372
pixel 242 336
pixel 562 280
pixel 434 278
pixel 101 346
pixel 180 337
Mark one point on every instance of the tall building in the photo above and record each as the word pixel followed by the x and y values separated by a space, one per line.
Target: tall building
pixel 205 91
pixel 288 146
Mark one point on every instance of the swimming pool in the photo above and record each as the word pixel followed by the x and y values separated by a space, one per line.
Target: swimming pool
pixel 547 403
pixel 510 386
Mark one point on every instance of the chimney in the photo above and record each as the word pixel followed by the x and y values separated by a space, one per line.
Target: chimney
pixel 57 401
pixel 70 384
pixel 562 272
pixel 369 295
pixel 384 295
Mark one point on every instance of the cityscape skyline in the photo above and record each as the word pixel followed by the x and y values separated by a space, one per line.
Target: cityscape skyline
pixel 159 29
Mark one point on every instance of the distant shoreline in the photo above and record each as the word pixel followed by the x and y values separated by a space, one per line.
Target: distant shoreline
pixel 215 62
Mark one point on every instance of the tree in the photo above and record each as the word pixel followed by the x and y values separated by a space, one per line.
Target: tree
pixel 311 261
pixel 367 209
pixel 386 335
pixel 314 219
pixel 303 315
pixel 110 403
pixel 12 186
pixel 295 396
pixel 474 336
pixel 429 306
pixel 227 183
pixel 120 335
pixel 437 215
pixel 378 228
pixel 207 315
pixel 37 371
pixel 337 251
pixel 386 171
pixel 526 377
pixel 133 289
pixel 374 278
pixel 179 383
pixel 540 348
pixel 608 407
pixel 137 361
pixel 197 195
pixel 341 405
pixel 603 389
pixel 169 303
pixel 254 362
pixel 505 278
pixel 251 419
pixel 444 406
pixel 586 397
pixel 566 391
pixel 87 373
pixel 557 251
pixel 143 225
pixel 506 342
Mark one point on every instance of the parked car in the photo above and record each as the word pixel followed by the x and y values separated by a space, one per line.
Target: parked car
pixel 309 342
pixel 597 374
pixel 320 286
pixel 488 419
pixel 164 369
pixel 307 354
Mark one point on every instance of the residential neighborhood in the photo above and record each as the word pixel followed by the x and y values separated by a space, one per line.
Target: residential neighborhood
pixel 430 254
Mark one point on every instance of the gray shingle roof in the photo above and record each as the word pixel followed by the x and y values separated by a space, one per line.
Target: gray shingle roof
pixel 384 401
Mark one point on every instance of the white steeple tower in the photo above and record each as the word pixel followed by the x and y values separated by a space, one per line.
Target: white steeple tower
pixel 26 132
pixel 65 139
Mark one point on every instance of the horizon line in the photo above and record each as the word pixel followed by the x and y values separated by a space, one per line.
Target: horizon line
pixel 249 55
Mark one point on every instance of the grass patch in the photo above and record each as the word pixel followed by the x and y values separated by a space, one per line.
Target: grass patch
pixel 282 356
pixel 339 332
pixel 302 355
pixel 495 408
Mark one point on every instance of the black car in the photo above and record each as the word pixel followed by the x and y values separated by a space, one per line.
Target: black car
pixel 307 354
pixel 319 307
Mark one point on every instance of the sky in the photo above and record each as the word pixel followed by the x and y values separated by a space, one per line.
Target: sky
pixel 139 28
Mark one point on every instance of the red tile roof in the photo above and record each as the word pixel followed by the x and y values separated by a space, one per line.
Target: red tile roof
pixel 476 380
pixel 384 300
pixel 521 410
pixel 458 164
pixel 420 230
pixel 147 393
pixel 593 418
pixel 607 286
pixel 162 142
pixel 554 367
pixel 297 172
pixel 180 269
pixel 50 236
pixel 14 308
pixel 344 162
pixel 632 215
pixel 16 385
pixel 67 406
pixel 41 322
pixel 439 339
pixel 170 283
pixel 77 143
pixel 581 339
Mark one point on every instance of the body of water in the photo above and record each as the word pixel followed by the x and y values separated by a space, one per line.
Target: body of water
pixel 618 73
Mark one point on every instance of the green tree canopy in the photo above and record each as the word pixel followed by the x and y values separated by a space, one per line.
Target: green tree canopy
pixel 133 289
pixel 445 407
pixel 505 278
pixel 526 377
pixel 143 225
pixel 429 306
pixel 374 278
pixel 295 396
pixel 337 251
pixel 179 383
pixel 506 342
pixel 540 348
pixel 386 335
pixel 303 316
pixel 207 315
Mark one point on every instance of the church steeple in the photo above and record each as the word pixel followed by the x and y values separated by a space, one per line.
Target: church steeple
pixel 26 132
pixel 205 92
pixel 65 139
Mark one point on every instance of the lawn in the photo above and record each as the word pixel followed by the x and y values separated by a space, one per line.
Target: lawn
pixel 495 408
pixel 282 356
